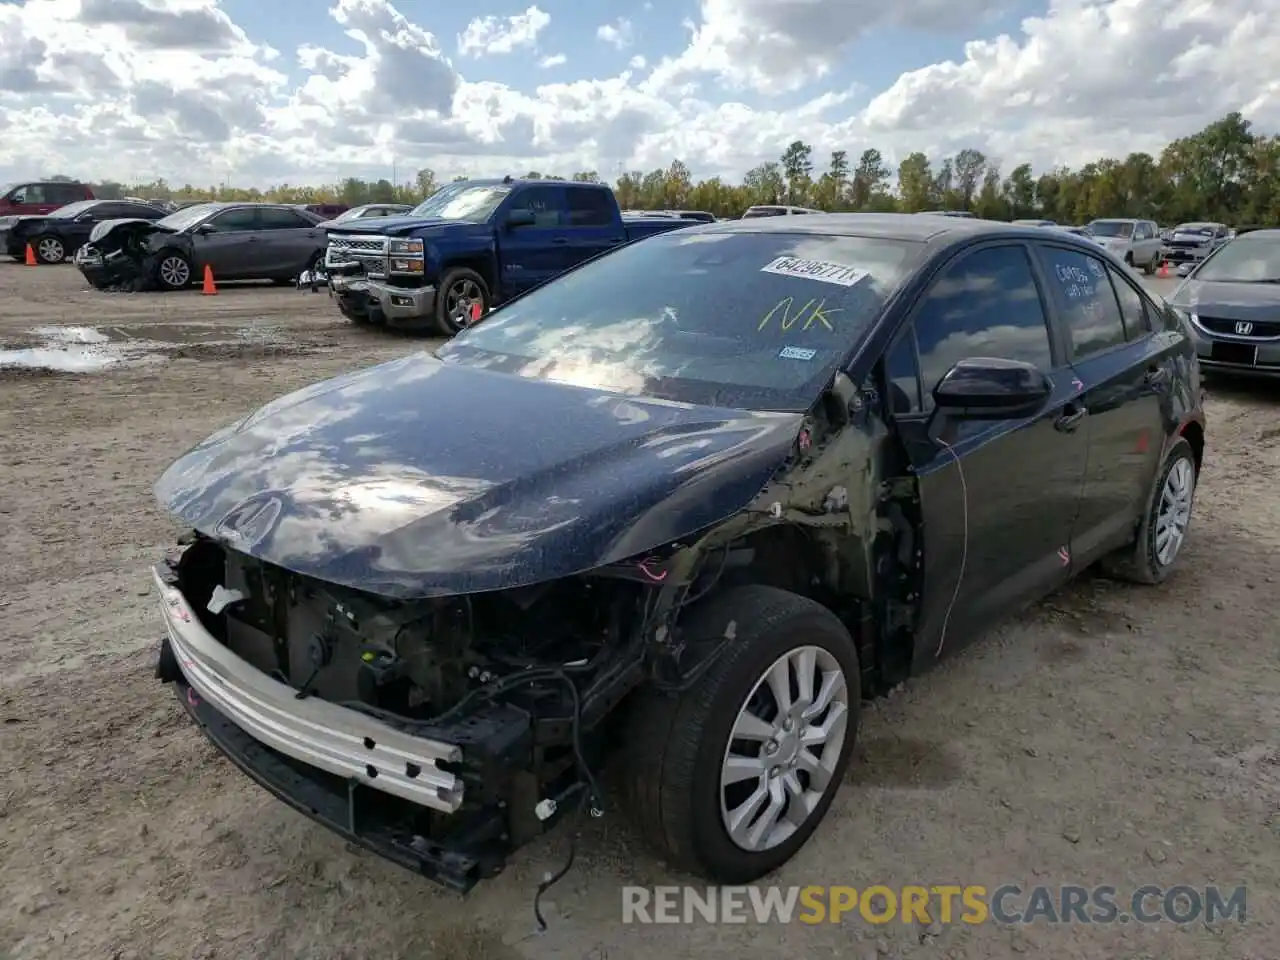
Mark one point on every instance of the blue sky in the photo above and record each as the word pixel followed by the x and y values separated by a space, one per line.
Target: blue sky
pixel 187 89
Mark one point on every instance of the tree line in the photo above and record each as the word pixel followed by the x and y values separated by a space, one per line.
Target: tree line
pixel 1227 172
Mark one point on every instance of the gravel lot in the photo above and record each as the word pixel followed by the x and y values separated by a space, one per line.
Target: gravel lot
pixel 1112 735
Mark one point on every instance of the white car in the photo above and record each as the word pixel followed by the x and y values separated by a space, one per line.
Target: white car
pixel 1136 242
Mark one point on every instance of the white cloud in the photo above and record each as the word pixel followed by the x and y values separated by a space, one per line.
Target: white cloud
pixel 555 60
pixel 496 35
pixel 620 33
pixel 127 89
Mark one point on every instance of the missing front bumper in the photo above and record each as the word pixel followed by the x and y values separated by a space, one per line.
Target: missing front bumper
pixel 331 738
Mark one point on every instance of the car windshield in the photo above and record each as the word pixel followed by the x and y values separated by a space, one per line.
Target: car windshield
pixel 1202 229
pixel 72 210
pixel 185 217
pixel 463 201
pixel 747 320
pixel 1245 259
pixel 1111 228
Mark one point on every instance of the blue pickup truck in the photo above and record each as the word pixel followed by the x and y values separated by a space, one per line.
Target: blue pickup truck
pixel 472 245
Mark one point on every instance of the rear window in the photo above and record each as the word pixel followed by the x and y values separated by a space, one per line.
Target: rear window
pixel 747 320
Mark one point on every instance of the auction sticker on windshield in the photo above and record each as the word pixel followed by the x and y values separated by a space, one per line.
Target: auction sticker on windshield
pixel 824 271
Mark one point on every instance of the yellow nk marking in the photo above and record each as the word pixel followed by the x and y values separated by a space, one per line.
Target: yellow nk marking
pixel 815 311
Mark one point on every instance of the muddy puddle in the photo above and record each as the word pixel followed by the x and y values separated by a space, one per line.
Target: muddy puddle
pixel 93 349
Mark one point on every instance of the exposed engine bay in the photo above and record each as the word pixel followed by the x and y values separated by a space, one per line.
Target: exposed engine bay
pixel 118 255
pixel 416 660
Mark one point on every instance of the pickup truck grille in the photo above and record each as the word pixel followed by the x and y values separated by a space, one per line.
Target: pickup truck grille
pixel 370 253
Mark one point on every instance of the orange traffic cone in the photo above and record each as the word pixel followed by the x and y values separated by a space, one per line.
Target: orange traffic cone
pixel 209 288
pixel 31 257
pixel 1164 270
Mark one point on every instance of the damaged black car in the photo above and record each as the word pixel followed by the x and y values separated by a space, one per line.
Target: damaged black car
pixel 236 241
pixel 53 237
pixel 677 511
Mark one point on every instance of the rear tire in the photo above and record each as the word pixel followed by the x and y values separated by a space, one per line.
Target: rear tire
pixel 49 249
pixel 1167 518
pixel 679 747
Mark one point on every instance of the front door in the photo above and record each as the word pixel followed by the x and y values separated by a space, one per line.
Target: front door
pixel 232 247
pixel 1124 374
pixel 998 498
pixel 531 255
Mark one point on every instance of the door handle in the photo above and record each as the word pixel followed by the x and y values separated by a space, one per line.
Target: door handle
pixel 1156 377
pixel 560 241
pixel 1071 418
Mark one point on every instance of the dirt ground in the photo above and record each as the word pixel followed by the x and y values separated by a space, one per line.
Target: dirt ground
pixel 1112 735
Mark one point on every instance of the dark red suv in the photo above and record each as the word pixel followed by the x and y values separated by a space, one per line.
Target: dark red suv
pixel 40 196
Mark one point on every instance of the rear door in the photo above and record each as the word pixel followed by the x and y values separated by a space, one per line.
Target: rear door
pixel 232 246
pixel 1123 375
pixel 530 255
pixel 999 498
pixel 288 242
pixel 593 224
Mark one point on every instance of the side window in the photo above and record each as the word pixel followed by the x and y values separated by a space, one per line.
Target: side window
pixel 544 202
pixel 235 221
pixel 589 207
pixel 32 193
pixel 1137 324
pixel 986 304
pixel 274 218
pixel 1085 299
pixel 65 192
pixel 902 374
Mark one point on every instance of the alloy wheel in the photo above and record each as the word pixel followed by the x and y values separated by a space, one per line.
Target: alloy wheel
pixel 1174 513
pixel 460 298
pixel 174 272
pixel 783 748
pixel 51 250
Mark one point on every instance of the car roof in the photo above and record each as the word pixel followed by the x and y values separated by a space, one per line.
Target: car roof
pixel 1262 233
pixel 921 228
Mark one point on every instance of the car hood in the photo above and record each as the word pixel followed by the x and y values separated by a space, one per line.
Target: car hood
pixel 106 227
pixel 1190 237
pixel 13 220
pixel 1230 301
pixel 418 478
pixel 396 226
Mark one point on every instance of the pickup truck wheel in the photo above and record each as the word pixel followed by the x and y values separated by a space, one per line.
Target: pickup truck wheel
pixel 49 249
pixel 731 777
pixel 1163 531
pixel 460 290
pixel 173 271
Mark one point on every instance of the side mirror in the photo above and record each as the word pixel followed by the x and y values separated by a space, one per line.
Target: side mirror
pixel 990 388
pixel 206 228
pixel 520 218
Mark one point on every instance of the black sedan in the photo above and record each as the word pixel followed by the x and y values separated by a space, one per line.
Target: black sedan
pixel 237 241
pixel 689 523
pixel 1232 301
pixel 54 237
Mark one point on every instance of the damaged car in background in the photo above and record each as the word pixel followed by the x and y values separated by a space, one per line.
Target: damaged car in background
pixel 53 237
pixel 238 241
pixel 680 526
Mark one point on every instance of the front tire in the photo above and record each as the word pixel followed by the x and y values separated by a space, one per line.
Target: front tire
pixel 173 271
pixel 729 779
pixel 460 290
pixel 49 249
pixel 1153 555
